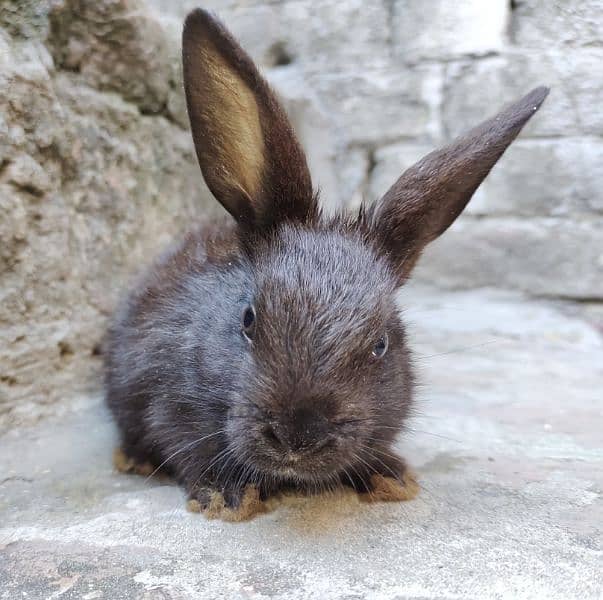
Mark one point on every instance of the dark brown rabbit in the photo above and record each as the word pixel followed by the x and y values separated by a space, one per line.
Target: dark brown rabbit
pixel 267 352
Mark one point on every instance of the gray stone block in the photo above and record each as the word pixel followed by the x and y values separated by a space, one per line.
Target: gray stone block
pixel 543 256
pixel 440 29
pixel 544 178
pixel 475 90
pixel 379 107
pixel 352 167
pixel 547 23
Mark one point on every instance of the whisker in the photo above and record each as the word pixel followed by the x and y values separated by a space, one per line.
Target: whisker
pixel 345 471
pixel 231 454
pixel 225 452
pixel 395 475
pixel 457 350
pixel 370 471
pixel 438 435
pixel 183 449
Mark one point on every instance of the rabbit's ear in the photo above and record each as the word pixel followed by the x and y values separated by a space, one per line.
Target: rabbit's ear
pixel 250 158
pixel 430 195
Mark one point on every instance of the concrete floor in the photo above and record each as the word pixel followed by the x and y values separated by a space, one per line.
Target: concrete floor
pixel 507 446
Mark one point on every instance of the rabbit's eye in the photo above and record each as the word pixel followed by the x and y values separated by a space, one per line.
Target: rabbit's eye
pixel 248 322
pixel 380 348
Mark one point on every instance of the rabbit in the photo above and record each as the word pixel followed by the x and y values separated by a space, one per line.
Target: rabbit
pixel 265 351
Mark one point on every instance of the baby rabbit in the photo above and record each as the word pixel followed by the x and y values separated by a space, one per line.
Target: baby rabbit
pixel 267 352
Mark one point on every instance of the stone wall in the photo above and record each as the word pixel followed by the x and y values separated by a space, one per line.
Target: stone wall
pixel 97 173
pixel 97 169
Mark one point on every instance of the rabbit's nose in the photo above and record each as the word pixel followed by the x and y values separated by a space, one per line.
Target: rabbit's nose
pixel 305 431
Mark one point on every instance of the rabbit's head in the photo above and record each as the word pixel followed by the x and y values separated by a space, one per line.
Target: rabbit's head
pixel 327 371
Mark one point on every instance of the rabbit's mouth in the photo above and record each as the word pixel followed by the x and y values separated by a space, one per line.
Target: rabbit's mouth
pixel 306 475
pixel 311 468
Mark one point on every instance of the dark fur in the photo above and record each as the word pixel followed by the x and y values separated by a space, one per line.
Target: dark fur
pixel 306 403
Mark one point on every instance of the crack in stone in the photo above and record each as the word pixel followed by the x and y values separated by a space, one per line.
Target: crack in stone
pixel 16 478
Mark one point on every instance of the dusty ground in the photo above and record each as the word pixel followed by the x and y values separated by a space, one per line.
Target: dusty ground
pixel 507 446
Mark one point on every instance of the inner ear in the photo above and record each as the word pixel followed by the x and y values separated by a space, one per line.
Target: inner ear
pixel 225 122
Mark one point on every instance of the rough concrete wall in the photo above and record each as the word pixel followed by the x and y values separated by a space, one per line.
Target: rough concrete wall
pixel 97 170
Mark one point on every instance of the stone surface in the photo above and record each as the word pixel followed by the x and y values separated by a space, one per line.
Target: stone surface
pixel 544 256
pixel 379 106
pixel 446 30
pixel 546 23
pixel 86 37
pixel 90 187
pixel 476 89
pixel 506 442
pixel 540 178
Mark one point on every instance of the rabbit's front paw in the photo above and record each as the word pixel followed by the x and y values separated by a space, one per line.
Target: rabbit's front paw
pixel 385 479
pixel 228 504
pixel 390 489
pixel 126 464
